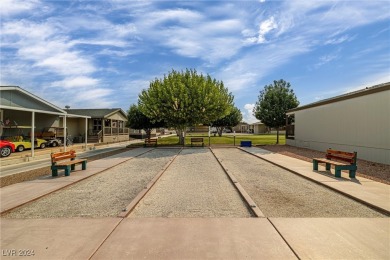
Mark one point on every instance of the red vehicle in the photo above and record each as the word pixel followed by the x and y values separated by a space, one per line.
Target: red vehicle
pixel 6 148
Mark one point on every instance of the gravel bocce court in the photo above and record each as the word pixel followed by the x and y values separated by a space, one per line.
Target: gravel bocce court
pixel 194 185
pixel 280 193
pixel 102 195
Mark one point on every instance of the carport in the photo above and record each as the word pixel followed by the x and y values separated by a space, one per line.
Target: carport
pixel 20 109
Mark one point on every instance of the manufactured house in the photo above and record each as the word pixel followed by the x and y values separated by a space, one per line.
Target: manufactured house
pixel 357 121
pixel 104 125
pixel 258 128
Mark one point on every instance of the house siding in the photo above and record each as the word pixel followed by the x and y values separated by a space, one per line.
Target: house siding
pixel 360 124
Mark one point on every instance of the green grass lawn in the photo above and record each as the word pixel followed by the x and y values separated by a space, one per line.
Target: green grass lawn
pixel 262 139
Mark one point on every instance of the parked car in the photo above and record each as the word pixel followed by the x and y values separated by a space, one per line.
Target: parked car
pixel 6 148
pixel 22 143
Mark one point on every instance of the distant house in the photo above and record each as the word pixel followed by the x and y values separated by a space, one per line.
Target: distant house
pixel 358 121
pixel 242 127
pixel 258 128
pixel 104 126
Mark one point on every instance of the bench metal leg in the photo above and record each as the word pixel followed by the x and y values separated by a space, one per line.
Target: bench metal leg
pixel 352 173
pixel 327 166
pixel 72 167
pixel 315 165
pixel 54 172
pixel 337 172
pixel 84 165
pixel 67 171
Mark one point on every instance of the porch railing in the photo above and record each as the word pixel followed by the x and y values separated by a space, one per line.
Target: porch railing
pixel 116 131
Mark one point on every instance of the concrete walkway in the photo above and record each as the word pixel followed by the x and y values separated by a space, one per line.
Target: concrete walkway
pixel 15 168
pixel 194 238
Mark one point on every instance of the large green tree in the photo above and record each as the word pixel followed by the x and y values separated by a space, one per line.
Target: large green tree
pixel 137 120
pixel 232 119
pixel 184 99
pixel 274 100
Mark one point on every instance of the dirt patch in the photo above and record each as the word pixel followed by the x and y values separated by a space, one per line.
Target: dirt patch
pixel 33 174
pixel 370 170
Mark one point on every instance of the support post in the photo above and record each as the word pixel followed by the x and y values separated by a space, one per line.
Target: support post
pixel 32 134
pixel 65 133
pixel 86 133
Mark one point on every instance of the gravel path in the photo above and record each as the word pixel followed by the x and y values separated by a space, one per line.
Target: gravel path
pixel 280 193
pixel 105 194
pixel 193 186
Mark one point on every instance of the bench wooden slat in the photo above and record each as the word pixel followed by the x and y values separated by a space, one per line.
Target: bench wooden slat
pixel 71 162
pixel 329 161
pixel 150 142
pixel 197 140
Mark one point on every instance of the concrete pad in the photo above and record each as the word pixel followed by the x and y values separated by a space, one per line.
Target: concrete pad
pixel 331 238
pixel 374 193
pixel 55 238
pixel 194 238
pixel 17 194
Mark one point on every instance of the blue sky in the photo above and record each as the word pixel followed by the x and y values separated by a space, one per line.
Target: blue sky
pixel 101 54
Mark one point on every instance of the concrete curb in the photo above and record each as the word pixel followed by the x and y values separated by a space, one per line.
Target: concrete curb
pixel 248 200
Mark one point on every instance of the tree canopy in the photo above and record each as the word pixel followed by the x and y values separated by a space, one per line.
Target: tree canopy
pixel 185 98
pixel 274 101
pixel 137 120
pixel 232 119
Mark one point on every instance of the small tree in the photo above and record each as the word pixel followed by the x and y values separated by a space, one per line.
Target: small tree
pixel 137 120
pixel 232 119
pixel 184 99
pixel 273 103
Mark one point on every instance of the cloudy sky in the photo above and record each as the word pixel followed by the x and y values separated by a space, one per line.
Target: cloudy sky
pixel 101 54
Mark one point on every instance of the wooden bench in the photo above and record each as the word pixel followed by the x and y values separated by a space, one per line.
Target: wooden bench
pixel 61 160
pixel 341 160
pixel 197 140
pixel 151 142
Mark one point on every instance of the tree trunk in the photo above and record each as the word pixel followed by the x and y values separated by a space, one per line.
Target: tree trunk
pixel 277 135
pixel 148 133
pixel 182 134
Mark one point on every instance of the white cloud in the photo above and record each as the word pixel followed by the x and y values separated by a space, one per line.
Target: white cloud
pixel 339 40
pixel 76 82
pixel 11 7
pixel 248 114
pixel 326 59
pixel 265 27
pixel 68 64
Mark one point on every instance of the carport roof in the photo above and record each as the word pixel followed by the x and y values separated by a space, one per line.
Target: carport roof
pixel 26 101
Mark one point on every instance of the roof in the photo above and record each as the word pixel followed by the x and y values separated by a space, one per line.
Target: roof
pixel 96 112
pixel 56 110
pixel 358 93
pixel 257 123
